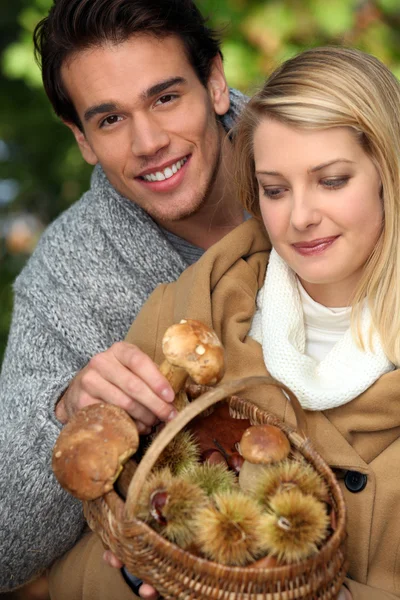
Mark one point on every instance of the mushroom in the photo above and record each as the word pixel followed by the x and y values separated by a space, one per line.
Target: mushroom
pixel 92 448
pixel 191 348
pixel 260 446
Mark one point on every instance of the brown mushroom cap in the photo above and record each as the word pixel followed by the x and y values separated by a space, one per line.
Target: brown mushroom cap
pixel 196 348
pixel 92 448
pixel 264 444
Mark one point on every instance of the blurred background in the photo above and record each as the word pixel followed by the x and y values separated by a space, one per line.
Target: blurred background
pixel 41 170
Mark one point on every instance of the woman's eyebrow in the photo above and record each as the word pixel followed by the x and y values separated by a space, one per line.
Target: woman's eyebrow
pixel 328 164
pixel 311 170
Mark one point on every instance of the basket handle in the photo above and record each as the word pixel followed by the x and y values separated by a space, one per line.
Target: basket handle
pixel 190 412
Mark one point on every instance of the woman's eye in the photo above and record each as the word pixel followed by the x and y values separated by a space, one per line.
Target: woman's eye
pixel 273 192
pixel 334 183
pixel 110 120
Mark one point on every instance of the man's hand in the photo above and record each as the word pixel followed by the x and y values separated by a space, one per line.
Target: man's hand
pixel 125 376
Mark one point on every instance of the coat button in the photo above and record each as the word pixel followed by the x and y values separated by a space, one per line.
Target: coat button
pixel 355 481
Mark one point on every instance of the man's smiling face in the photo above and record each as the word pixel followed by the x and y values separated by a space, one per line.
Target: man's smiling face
pixel 149 121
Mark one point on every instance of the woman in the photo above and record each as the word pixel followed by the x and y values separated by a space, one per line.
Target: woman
pixel 317 156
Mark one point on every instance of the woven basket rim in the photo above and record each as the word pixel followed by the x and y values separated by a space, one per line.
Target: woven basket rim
pixel 113 504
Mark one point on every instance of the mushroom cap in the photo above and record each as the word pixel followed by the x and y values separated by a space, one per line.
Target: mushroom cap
pixel 92 448
pixel 196 348
pixel 264 444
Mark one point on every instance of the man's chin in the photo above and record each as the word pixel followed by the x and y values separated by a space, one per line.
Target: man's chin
pixel 179 215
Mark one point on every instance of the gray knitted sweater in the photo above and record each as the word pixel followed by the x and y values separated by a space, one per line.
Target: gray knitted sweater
pixel 90 274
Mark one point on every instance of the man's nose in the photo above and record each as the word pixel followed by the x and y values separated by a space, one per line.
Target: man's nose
pixel 148 137
pixel 305 211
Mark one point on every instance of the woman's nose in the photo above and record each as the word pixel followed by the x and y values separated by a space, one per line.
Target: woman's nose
pixel 305 211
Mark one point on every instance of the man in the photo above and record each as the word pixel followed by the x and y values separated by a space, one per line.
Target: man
pixel 140 83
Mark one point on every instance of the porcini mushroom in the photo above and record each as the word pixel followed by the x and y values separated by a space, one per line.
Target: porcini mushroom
pixel 191 348
pixel 92 448
pixel 260 446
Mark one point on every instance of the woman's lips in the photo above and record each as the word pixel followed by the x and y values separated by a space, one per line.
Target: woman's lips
pixel 315 246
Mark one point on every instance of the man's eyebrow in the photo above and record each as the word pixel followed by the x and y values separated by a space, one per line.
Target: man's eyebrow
pixel 313 169
pixel 162 86
pixel 99 109
pixel 155 89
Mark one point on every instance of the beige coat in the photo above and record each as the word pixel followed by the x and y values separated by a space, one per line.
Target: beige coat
pixel 363 435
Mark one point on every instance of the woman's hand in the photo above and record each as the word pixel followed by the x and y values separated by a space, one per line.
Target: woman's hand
pixel 344 594
pixel 146 591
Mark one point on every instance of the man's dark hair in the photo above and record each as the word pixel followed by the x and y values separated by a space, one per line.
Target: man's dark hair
pixel 74 25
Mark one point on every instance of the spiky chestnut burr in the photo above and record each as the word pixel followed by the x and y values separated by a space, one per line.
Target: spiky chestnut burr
pixel 294 526
pixel 213 479
pixel 228 531
pixel 168 504
pixel 286 475
pixel 181 454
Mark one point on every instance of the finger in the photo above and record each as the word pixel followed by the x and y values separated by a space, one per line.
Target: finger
pixel 143 429
pixel 139 363
pixel 96 382
pixel 112 560
pixel 143 404
pixel 147 592
pixel 98 388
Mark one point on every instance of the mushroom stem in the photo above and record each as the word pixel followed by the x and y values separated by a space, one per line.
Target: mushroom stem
pixel 249 476
pixel 176 376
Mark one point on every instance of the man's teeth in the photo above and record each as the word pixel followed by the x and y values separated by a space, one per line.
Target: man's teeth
pixel 167 173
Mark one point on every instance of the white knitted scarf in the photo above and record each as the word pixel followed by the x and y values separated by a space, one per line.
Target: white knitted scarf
pixel 278 325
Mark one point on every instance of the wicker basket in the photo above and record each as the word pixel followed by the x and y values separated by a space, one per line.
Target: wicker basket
pixel 176 573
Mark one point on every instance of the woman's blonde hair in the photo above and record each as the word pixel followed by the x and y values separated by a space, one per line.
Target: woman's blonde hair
pixel 340 87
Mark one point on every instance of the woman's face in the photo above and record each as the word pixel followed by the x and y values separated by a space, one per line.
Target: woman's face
pixel 320 202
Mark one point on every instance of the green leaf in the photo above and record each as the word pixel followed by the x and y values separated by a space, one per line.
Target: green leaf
pixel 389 6
pixel 241 64
pixel 19 63
pixel 335 17
pixel 267 25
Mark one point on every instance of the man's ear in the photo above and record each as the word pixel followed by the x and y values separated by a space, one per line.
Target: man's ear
pixel 83 144
pixel 217 86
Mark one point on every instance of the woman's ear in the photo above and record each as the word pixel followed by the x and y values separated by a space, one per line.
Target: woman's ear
pixel 84 146
pixel 217 87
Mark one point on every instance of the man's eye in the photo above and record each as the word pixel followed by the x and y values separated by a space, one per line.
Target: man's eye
pixel 110 120
pixel 166 99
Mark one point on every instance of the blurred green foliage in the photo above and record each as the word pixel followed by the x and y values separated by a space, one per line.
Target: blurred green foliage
pixel 41 170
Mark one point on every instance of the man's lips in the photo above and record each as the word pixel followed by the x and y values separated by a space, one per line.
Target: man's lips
pixel 166 181
pixel 160 168
pixel 316 246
